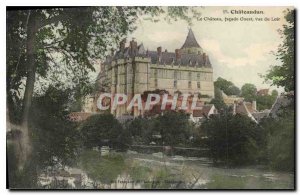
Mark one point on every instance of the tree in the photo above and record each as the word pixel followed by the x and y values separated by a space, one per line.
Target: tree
pixel 233 139
pixel 233 90
pixel 227 87
pixel 55 139
pixel 218 100
pixel 140 129
pixel 265 102
pixel 248 91
pixel 174 128
pixel 103 129
pixel 63 40
pixel 280 143
pixel 284 75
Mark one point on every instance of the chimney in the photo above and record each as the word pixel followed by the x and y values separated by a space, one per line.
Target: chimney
pixel 254 105
pixel 122 45
pixel 204 58
pixel 133 46
pixel 159 51
pixel 178 54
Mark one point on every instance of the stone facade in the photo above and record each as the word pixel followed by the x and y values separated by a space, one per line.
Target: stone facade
pixel 134 70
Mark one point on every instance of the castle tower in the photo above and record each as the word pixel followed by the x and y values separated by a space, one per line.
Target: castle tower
pixel 191 46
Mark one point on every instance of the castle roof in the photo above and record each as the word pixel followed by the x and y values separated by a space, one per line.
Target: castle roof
pixel 165 58
pixel 184 60
pixel 190 41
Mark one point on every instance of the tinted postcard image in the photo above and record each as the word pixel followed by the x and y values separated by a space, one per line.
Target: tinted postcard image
pixel 150 98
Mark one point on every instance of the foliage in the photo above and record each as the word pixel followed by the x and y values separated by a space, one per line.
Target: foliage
pixel 218 100
pixel 103 129
pixel 69 40
pixel 140 129
pixel 55 138
pixel 234 139
pixel 227 87
pixel 266 101
pixel 284 75
pixel 174 127
pixel 248 91
pixel 281 138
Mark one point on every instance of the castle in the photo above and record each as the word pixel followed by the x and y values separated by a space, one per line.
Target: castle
pixel 135 70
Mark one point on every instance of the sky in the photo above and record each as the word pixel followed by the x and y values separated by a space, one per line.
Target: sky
pixel 239 50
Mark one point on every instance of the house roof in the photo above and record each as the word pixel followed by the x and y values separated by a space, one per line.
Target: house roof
pixel 249 107
pixel 281 101
pixel 259 115
pixel 241 108
pixel 204 112
pixel 263 92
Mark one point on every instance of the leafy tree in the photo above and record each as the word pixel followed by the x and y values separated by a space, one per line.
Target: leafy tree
pixel 218 99
pixel 284 75
pixel 265 102
pixel 248 91
pixel 281 138
pixel 54 137
pixel 174 127
pixel 103 129
pixel 140 129
pixel 227 87
pixel 64 42
pixel 233 139
pixel 233 90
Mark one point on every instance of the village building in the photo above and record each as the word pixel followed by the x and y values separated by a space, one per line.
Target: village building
pixel 262 92
pixel 206 111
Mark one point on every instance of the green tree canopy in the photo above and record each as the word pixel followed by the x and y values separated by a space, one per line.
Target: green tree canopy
pixel 233 139
pixel 283 75
pixel 103 129
pixel 174 127
pixel 61 45
pixel 248 91
pixel 227 86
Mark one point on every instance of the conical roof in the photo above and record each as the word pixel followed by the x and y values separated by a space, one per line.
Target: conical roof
pixel 190 40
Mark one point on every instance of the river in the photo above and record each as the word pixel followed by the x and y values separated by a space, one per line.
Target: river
pixel 199 173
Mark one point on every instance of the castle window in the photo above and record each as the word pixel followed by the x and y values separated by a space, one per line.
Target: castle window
pixel 175 84
pixel 190 75
pixel 155 83
pixel 175 75
pixel 198 76
pixel 155 73
pixel 198 85
pixel 190 84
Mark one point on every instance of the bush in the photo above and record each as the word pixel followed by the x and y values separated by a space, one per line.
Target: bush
pixel 233 139
pixel 104 129
pixel 281 139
